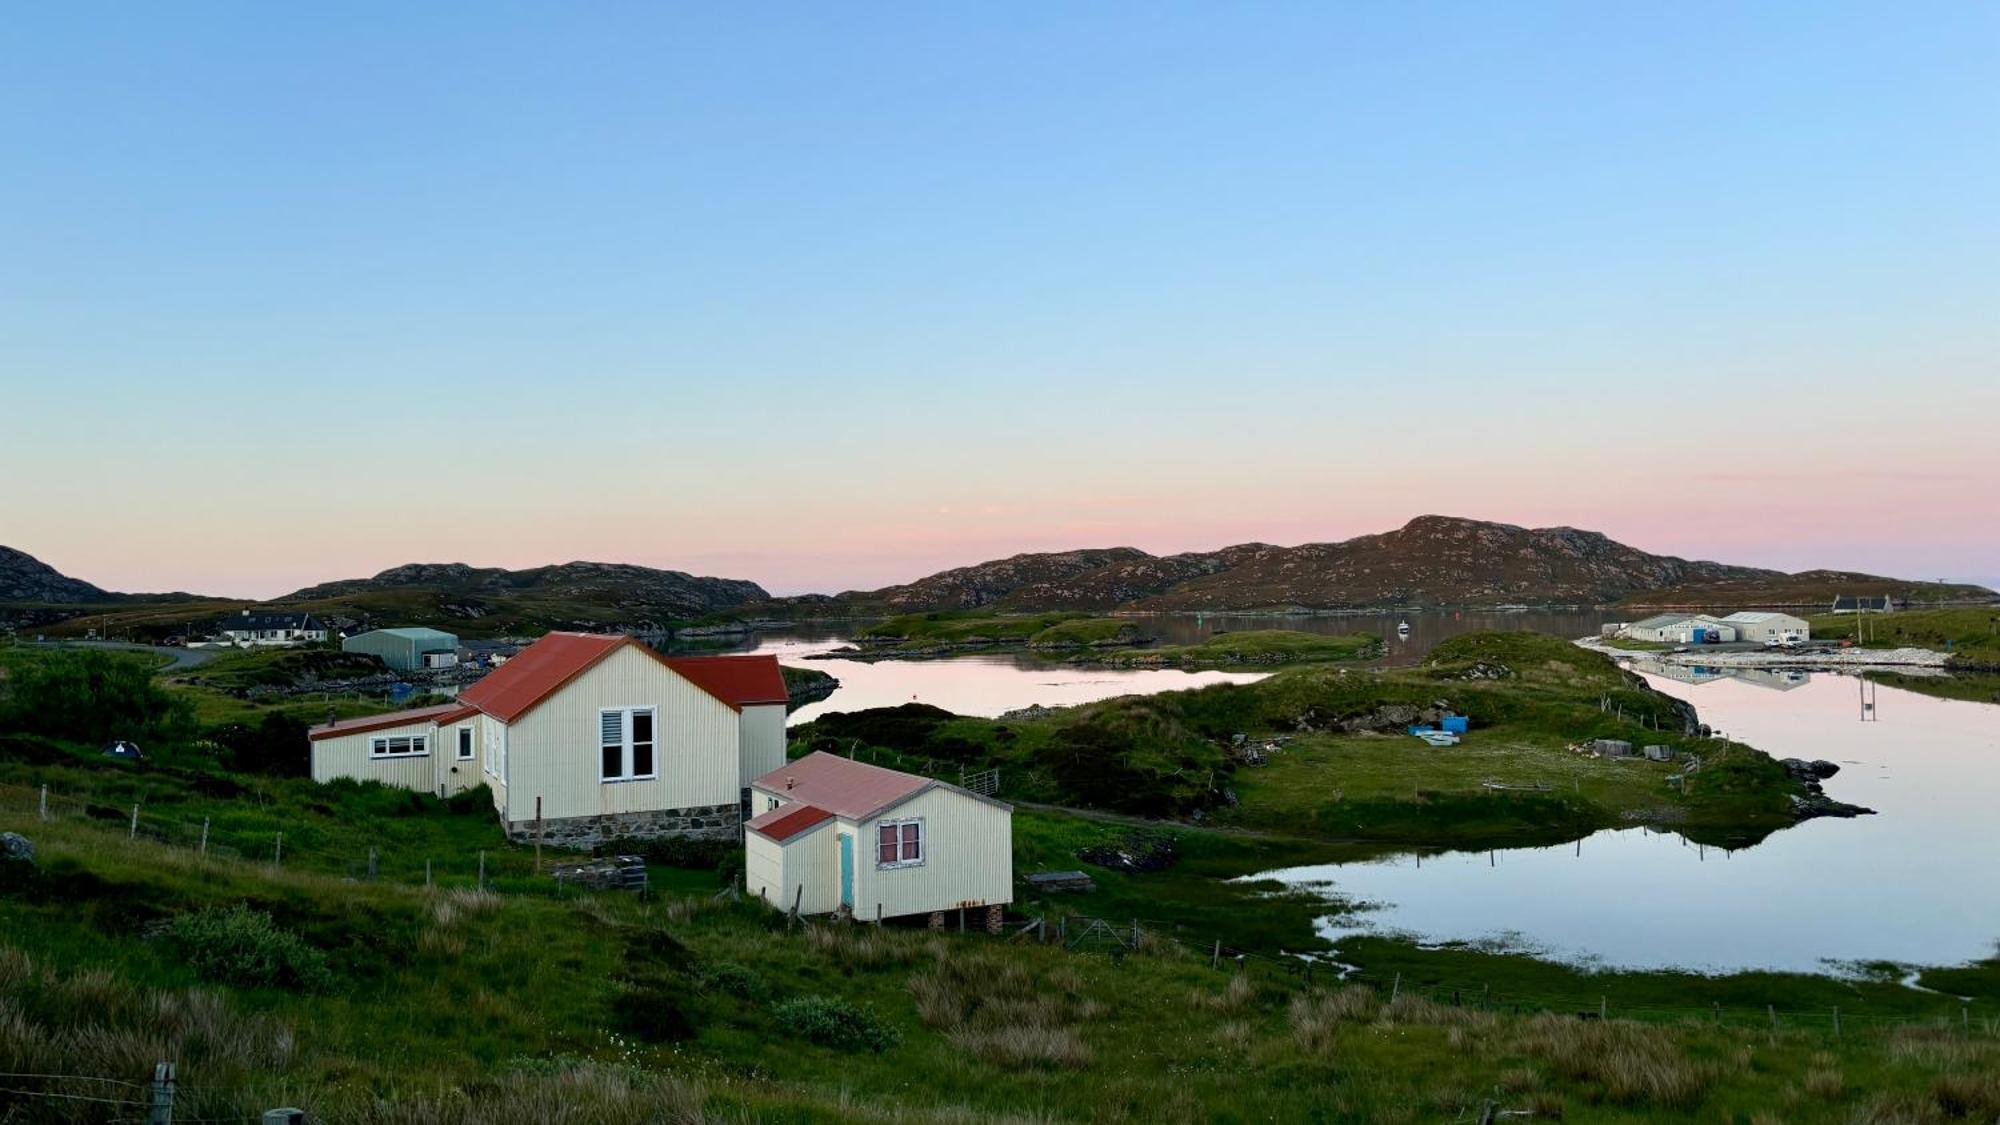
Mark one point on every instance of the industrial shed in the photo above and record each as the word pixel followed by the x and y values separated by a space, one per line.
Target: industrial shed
pixel 406 650
pixel 1759 626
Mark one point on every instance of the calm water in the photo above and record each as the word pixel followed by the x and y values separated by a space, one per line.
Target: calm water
pixel 1912 884
pixel 1426 629
pixel 972 685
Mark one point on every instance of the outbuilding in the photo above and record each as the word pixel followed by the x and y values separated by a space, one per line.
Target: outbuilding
pixel 831 835
pixel 1655 628
pixel 406 650
pixel 1768 627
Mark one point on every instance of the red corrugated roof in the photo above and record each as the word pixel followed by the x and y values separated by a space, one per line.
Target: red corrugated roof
pixel 431 714
pixel 782 824
pixel 541 669
pixel 739 681
pixel 855 790
pixel 534 673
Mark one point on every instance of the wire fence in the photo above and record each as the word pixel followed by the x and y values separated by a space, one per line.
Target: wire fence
pixel 512 870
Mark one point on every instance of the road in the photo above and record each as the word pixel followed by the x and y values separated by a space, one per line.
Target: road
pixel 177 658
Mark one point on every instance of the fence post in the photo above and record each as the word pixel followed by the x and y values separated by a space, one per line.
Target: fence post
pixel 1135 933
pixel 44 811
pixel 371 863
pixel 1836 1021
pixel 134 833
pixel 1965 1016
pixel 204 836
pixel 162 1110
pixel 1215 958
pixel 278 851
pixel 1603 1007
pixel 1395 988
pixel 1773 1010
pixel 538 835
pixel 427 874
pixel 482 870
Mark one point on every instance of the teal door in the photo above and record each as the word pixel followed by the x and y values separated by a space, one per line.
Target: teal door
pixel 847 871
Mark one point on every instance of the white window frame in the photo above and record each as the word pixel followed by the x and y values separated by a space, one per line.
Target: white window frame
pixel 468 743
pixel 378 747
pixel 626 744
pixel 923 843
pixel 495 762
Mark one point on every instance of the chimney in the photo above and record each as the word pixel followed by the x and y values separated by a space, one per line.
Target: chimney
pixel 791 783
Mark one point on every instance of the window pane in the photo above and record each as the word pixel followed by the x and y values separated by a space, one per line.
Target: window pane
pixel 465 742
pixel 613 765
pixel 885 839
pixel 379 746
pixel 399 746
pixel 642 726
pixel 912 842
pixel 612 727
pixel 420 744
pixel 642 759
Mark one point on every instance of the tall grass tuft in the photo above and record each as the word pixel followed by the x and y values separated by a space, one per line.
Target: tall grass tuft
pixel 997 1012
pixel 1632 1064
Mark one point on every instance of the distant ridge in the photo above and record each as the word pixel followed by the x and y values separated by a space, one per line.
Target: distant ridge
pixel 25 578
pixel 1431 561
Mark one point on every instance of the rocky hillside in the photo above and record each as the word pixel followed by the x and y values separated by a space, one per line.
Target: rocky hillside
pixel 970 587
pixel 25 578
pixel 1432 560
pixel 1806 588
pixel 621 590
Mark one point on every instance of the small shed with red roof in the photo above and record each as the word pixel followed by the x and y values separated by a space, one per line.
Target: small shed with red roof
pixel 583 738
pixel 831 834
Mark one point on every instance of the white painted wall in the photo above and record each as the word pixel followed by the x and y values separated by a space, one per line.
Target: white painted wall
pixel 552 751
pixel 808 863
pixel 348 755
pixel 968 858
pixel 763 741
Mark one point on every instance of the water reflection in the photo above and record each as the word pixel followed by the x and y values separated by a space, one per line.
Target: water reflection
pixel 1900 886
pixel 974 685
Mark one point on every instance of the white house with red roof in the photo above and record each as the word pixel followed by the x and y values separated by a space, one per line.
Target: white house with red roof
pixel 831 834
pixel 583 738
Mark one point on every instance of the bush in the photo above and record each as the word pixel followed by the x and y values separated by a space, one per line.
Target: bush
pixel 676 851
pixel 277 745
pixel 243 947
pixel 92 697
pixel 733 979
pixel 832 1022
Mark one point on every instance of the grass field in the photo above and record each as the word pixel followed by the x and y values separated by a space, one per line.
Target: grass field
pixel 519 1003
pixel 1971 633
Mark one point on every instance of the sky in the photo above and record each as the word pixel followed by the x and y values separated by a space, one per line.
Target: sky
pixel 832 296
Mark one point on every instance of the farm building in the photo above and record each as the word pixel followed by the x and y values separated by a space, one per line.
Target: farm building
pixel 406 650
pixel 1758 626
pixel 832 834
pixel 1681 629
pixel 270 630
pixel 584 738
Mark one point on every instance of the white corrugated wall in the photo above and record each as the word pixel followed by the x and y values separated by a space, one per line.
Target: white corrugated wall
pixel 347 756
pixel 552 751
pixel 763 727
pixel 968 858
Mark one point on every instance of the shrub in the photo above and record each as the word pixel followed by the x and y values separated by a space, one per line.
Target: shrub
pixel 243 947
pixel 733 979
pixel 832 1022
pixel 92 697
pixel 277 745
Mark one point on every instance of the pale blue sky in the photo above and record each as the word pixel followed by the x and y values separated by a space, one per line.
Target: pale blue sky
pixel 834 296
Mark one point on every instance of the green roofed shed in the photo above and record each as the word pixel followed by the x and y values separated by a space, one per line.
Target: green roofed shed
pixel 406 650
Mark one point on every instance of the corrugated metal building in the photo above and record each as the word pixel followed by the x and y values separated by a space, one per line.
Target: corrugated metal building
pixel 406 650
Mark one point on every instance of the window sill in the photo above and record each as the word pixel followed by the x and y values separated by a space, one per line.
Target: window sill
pixel 899 866
pixel 623 780
pixel 394 757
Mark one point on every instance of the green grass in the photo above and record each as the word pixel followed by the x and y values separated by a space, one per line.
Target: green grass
pixel 921 633
pixel 514 1007
pixel 1971 633
pixel 1254 646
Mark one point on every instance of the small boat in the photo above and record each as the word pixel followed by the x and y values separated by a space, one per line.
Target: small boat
pixel 1437 737
pixel 1402 628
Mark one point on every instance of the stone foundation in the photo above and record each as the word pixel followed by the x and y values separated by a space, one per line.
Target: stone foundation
pixel 708 822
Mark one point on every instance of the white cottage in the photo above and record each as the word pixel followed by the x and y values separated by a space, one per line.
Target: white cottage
pixel 584 738
pixel 831 834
